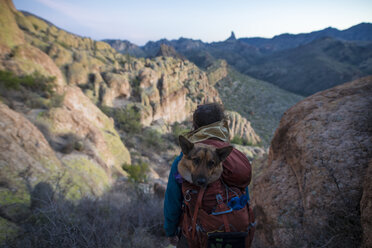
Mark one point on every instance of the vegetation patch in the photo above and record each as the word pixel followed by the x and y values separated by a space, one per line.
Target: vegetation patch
pixel 126 119
pixel 243 142
pixel 137 172
pixel 179 129
pixel 35 90
pixel 153 139
pixel 124 216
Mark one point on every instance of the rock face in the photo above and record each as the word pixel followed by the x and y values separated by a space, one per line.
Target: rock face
pixel 82 118
pixel 217 71
pixel 366 208
pixel 309 192
pixel 241 127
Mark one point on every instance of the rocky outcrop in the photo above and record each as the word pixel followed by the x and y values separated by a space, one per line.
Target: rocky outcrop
pixel 168 51
pixel 366 208
pixel 241 128
pixel 118 89
pixel 11 35
pixel 217 71
pixel 26 158
pixel 162 88
pixel 309 192
pixel 171 89
pixel 82 118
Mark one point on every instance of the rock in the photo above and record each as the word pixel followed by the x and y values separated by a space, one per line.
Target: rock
pixel 28 59
pixel 42 195
pixel 309 192
pixel 241 128
pixel 252 152
pixel 117 91
pixel 11 35
pixel 22 145
pixel 366 208
pixel 77 73
pixel 168 51
pixel 82 118
pixel 217 71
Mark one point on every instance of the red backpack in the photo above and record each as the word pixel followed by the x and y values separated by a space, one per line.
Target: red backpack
pixel 208 217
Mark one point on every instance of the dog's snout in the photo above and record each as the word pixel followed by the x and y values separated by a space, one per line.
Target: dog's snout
pixel 201 181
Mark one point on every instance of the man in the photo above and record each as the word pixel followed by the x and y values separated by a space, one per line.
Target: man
pixel 210 127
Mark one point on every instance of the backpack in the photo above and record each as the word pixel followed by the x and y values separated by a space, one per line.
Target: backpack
pixel 218 215
pixel 201 222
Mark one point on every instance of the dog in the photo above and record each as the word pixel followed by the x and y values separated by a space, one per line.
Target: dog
pixel 201 164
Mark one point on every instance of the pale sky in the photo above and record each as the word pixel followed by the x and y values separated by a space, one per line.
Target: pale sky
pixel 209 20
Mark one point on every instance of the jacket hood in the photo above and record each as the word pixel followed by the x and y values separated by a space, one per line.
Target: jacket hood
pixel 219 130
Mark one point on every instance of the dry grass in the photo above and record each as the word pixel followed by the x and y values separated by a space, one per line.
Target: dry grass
pixel 123 217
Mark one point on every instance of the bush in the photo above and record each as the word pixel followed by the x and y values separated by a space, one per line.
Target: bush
pixel 35 90
pixel 35 82
pixel 241 141
pixel 179 129
pixel 137 172
pixel 127 119
pixel 153 139
pixel 56 101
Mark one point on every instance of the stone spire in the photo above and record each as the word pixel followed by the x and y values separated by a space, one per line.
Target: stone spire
pixel 232 36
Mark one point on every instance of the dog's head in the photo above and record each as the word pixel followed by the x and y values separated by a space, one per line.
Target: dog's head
pixel 201 164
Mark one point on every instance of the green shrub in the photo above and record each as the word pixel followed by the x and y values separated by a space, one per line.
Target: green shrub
pixel 179 129
pixel 137 91
pixel 56 101
pixel 137 172
pixel 9 80
pixel 35 82
pixel 153 139
pixel 241 141
pixel 127 119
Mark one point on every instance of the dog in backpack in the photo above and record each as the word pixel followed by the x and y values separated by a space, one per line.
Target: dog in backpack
pixel 201 163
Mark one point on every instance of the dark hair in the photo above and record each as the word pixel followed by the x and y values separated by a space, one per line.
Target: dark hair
pixel 207 114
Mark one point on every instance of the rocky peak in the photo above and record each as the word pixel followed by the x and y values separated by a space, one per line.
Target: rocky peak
pixel 232 37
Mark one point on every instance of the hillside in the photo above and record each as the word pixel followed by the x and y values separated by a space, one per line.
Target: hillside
pixel 82 121
pixel 94 110
pixel 262 103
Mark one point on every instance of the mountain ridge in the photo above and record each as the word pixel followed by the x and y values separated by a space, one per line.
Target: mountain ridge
pixel 254 56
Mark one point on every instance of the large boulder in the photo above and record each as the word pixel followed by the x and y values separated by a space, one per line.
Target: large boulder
pixel 309 192
pixel 366 208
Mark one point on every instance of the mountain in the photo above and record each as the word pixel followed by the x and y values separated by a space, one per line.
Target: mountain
pixel 301 63
pixel 126 47
pixel 360 32
pixel 318 65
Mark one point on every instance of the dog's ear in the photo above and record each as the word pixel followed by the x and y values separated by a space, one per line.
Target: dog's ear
pixel 224 152
pixel 186 145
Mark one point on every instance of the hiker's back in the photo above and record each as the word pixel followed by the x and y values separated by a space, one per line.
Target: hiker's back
pixel 206 211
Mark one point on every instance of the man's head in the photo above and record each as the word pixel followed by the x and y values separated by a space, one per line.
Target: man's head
pixel 207 114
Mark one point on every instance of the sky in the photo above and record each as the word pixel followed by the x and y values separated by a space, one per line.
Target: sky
pixel 140 21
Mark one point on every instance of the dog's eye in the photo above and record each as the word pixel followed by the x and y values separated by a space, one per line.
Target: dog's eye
pixel 210 163
pixel 196 160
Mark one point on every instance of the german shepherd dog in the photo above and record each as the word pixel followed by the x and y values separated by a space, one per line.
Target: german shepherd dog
pixel 201 164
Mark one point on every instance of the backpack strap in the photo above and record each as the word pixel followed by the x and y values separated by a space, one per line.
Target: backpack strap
pixel 196 210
